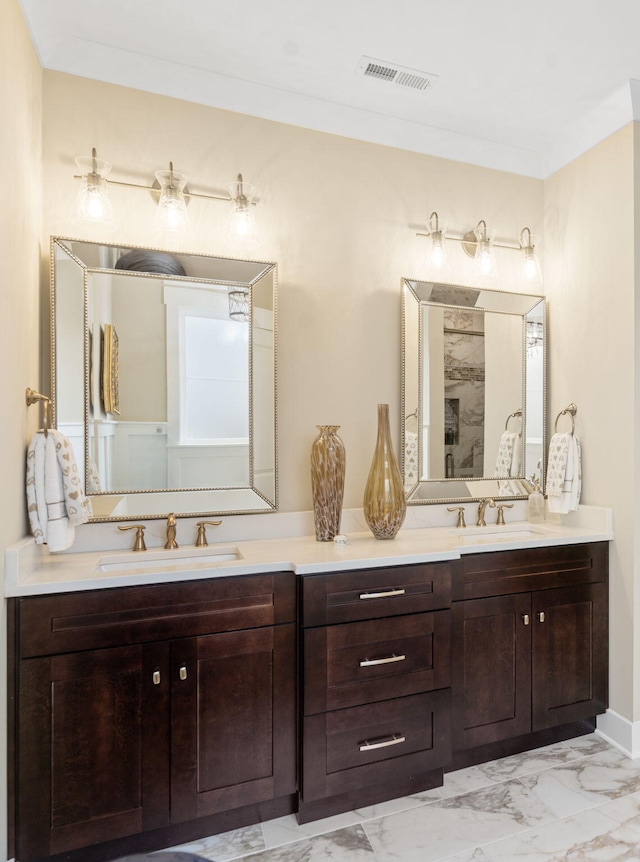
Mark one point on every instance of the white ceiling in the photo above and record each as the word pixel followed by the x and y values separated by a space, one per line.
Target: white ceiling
pixel 522 87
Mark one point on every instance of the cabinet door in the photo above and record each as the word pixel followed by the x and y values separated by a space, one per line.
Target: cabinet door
pixel 93 737
pixel 233 720
pixel 492 669
pixel 570 654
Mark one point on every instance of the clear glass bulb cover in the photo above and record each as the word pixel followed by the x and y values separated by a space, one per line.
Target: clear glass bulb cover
pixel 438 254
pixel 485 257
pixel 92 203
pixel 242 222
pixel 531 265
pixel 171 212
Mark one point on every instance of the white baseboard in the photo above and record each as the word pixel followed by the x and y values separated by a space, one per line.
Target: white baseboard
pixel 620 732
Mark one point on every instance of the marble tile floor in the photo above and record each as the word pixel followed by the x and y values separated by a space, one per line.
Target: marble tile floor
pixel 577 800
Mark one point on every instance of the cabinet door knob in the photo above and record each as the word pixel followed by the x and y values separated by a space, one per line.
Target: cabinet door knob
pixel 541 616
pixel 156 677
pixel 183 672
pixel 395 739
pixel 525 619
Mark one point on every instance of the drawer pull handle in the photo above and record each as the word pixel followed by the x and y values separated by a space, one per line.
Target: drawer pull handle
pixel 156 677
pixel 400 591
pixel 183 672
pixel 369 662
pixel 525 619
pixel 541 617
pixel 396 739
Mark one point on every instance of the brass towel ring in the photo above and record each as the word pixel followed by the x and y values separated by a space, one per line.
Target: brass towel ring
pixel 517 414
pixel 571 410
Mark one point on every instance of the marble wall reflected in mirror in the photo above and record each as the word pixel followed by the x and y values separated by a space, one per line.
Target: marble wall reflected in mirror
pixel 472 391
pixel 164 378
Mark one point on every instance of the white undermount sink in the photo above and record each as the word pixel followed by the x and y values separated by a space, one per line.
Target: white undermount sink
pixel 493 532
pixel 179 559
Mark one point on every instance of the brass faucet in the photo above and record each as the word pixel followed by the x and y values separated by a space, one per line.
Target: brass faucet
pixel 171 533
pixel 482 506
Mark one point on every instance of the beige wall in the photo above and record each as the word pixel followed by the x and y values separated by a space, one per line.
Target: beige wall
pixel 20 229
pixel 591 282
pixel 338 215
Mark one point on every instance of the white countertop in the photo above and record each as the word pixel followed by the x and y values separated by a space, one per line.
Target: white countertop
pixel 31 570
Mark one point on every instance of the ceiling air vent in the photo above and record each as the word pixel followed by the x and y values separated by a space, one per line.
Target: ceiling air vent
pixel 394 74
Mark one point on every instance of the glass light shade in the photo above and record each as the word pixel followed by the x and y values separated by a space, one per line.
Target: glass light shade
pixel 438 253
pixel 531 265
pixel 485 256
pixel 242 220
pixel 171 213
pixel 93 205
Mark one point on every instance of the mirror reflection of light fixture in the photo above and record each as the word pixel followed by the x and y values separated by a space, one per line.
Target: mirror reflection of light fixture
pixel 243 223
pixel 531 264
pixel 93 205
pixel 239 304
pixel 170 193
pixel 534 335
pixel 438 255
pixel 171 215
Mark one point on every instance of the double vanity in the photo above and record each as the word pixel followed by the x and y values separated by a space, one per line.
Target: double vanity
pixel 166 695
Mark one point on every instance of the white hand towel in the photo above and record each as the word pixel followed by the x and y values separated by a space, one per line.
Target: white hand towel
pixel 557 463
pixel 516 457
pixel 55 500
pixel 571 485
pixel 505 454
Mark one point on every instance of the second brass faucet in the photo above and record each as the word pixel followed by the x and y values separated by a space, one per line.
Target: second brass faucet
pixel 171 532
pixel 482 507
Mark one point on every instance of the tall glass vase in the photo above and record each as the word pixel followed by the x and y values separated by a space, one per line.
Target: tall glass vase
pixel 327 481
pixel 384 503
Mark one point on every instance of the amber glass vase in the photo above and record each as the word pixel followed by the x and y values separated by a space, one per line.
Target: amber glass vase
pixel 384 502
pixel 327 481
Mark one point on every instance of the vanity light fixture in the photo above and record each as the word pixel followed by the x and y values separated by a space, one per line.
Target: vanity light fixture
pixel 243 223
pixel 93 205
pixel 170 192
pixel 479 244
pixel 438 255
pixel 484 254
pixel 171 213
pixel 531 264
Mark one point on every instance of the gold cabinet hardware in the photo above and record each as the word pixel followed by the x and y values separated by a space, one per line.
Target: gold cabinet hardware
pixel 390 659
pixel 139 544
pixel 156 677
pixel 541 616
pixel 183 672
pixel 395 739
pixel 525 619
pixel 398 591
pixel 201 541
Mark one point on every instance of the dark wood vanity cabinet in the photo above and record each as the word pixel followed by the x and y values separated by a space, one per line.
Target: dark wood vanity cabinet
pixel 530 643
pixel 376 685
pixel 145 707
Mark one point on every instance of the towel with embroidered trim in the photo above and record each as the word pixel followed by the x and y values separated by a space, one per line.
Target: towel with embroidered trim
pixel 56 502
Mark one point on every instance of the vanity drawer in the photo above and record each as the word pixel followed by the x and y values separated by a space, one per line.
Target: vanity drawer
pixel 349 749
pixel 357 663
pixel 520 571
pixel 69 622
pixel 375 593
